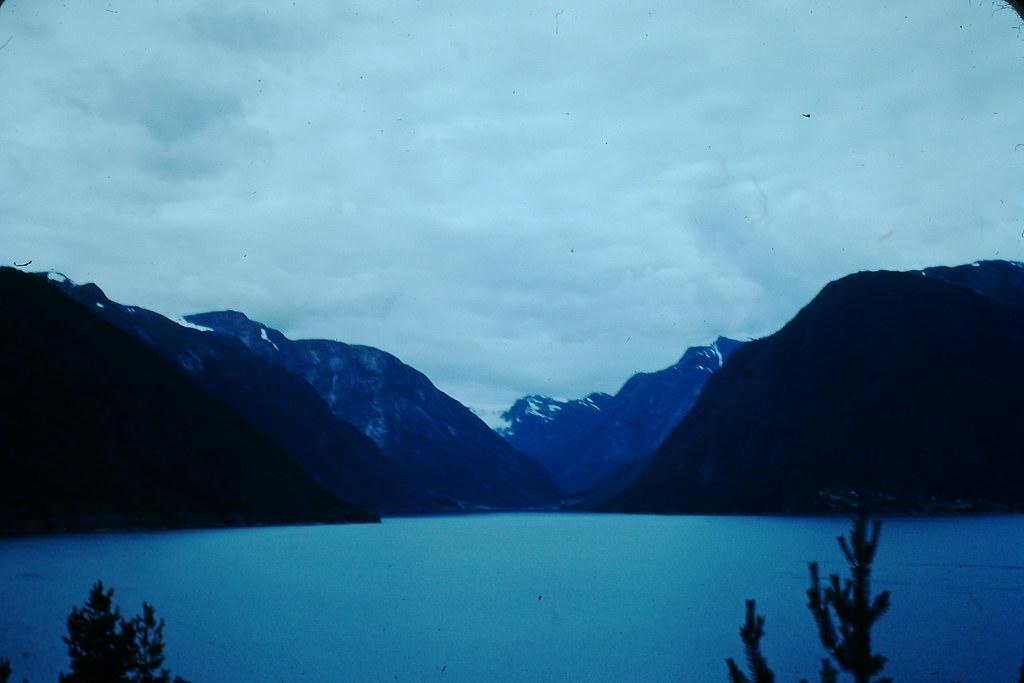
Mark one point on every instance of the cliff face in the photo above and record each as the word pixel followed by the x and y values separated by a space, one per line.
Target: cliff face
pixel 100 431
pixel 455 460
pixel 340 457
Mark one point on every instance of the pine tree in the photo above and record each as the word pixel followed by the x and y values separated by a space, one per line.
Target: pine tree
pixel 149 651
pixel 751 633
pixel 106 648
pixel 100 643
pixel 5 669
pixel 849 643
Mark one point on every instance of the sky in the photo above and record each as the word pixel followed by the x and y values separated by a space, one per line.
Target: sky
pixel 513 198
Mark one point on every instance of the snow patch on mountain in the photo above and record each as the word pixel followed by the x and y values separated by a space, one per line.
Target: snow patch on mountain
pixel 543 407
pixel 61 278
pixel 192 326
pixel 266 338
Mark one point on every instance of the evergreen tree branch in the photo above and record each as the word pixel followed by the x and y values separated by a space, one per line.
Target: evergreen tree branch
pixel 829 674
pixel 855 611
pixel 751 633
pixel 818 606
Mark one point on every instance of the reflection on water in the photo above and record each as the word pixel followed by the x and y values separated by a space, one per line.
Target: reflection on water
pixel 520 597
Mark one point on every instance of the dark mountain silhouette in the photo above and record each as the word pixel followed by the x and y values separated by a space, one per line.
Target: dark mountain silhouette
pixel 456 460
pixel 893 385
pixel 339 456
pixel 999 280
pixel 600 440
pixel 100 431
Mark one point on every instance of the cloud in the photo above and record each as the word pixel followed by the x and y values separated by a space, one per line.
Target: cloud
pixel 251 31
pixel 511 199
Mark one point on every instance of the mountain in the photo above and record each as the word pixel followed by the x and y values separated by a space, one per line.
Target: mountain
pixel 456 460
pixel 999 280
pixel 599 440
pixel 339 456
pixel 100 431
pixel 903 388
pixel 547 429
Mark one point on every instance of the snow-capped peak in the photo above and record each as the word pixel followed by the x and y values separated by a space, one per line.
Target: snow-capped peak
pixel 542 407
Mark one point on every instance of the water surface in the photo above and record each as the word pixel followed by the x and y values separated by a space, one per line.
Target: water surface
pixel 520 597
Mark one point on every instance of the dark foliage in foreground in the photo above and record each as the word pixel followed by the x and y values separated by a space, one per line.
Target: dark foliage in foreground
pixel 107 648
pixel 844 613
pixel 856 612
pixel 751 633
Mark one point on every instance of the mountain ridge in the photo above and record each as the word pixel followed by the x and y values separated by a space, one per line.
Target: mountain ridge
pixel 456 459
pixel 901 387
pixel 291 412
pixel 99 431
pixel 362 422
pixel 599 441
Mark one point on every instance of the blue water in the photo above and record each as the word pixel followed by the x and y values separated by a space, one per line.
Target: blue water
pixel 524 597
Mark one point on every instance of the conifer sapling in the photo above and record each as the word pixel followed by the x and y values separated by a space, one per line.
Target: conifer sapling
pixel 751 633
pixel 847 639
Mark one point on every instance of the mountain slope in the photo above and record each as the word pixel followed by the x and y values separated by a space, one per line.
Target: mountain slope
pixel 457 461
pixel 601 439
pixel 548 430
pixel 99 431
pixel 292 413
pixel 901 386
pixel 1002 281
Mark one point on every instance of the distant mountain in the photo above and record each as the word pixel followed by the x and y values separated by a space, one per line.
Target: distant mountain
pixel 599 440
pixel 456 460
pixel 100 431
pixel 900 387
pixel 339 456
pixel 547 429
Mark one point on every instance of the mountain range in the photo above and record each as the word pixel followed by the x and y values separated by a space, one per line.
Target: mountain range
pixel 450 456
pixel 99 431
pixel 904 388
pixel 596 441
pixel 366 426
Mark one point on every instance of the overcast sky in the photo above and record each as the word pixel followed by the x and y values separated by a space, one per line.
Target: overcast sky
pixel 513 198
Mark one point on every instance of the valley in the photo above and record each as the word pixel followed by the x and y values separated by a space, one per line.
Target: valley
pixel 898 388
